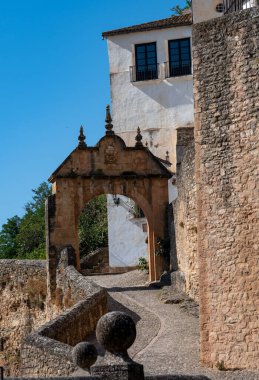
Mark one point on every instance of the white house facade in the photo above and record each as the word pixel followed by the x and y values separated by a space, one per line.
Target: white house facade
pixel 127 232
pixel 151 82
pixel 151 88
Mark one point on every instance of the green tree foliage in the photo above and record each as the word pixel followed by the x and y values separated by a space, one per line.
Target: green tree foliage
pixel 8 244
pixel 93 226
pixel 178 10
pixel 24 238
pixel 31 236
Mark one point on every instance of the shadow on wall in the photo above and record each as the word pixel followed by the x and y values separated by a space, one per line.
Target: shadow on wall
pixel 169 93
pixel 173 92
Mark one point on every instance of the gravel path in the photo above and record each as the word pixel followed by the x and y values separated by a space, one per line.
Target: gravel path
pixel 167 337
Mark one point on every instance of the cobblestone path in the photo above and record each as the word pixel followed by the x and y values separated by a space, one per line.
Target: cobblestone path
pixel 167 337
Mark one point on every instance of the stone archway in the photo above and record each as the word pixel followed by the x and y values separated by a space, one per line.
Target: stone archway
pixel 108 168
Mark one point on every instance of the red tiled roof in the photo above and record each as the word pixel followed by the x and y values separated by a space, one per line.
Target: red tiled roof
pixel 185 19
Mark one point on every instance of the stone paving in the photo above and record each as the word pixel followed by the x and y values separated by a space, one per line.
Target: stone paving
pixel 167 336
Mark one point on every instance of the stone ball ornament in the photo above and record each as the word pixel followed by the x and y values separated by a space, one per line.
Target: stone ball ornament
pixel 116 331
pixel 84 355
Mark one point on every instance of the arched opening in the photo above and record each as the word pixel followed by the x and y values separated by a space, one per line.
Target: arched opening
pixel 113 235
pixel 110 167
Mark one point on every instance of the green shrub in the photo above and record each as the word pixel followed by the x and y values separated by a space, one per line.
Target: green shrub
pixel 143 264
pixel 93 226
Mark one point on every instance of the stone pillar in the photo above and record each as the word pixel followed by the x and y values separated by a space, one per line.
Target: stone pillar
pixel 151 255
pixel 67 257
pixel 116 332
pixel 185 276
pixel 51 251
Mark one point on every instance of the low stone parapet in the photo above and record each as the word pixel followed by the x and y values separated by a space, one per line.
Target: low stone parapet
pixel 48 351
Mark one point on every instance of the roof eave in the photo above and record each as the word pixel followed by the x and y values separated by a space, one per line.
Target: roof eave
pixel 167 23
pixel 118 32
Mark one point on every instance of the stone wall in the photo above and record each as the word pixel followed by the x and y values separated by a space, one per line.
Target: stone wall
pixel 96 261
pixel 226 73
pixel 185 215
pixel 47 352
pixel 23 292
pixel 24 308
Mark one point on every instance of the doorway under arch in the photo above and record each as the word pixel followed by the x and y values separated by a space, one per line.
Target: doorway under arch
pixel 110 167
pixel 112 234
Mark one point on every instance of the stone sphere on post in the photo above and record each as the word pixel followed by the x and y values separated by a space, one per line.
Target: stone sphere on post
pixel 84 355
pixel 116 331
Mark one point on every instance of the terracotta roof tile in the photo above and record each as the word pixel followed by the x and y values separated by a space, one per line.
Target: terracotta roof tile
pixel 185 19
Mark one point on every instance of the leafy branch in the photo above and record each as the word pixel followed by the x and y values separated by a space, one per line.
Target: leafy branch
pixel 178 10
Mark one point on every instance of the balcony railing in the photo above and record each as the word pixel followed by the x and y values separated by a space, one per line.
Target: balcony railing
pixel 238 5
pixel 141 73
pixel 168 70
pixel 178 69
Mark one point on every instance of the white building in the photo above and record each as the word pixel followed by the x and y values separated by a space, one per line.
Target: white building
pixel 151 82
pixel 151 88
pixel 207 9
pixel 127 232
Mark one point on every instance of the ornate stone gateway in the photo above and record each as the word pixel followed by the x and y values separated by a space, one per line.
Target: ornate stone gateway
pixel 108 168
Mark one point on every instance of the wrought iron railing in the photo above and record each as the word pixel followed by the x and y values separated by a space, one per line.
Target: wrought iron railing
pixel 178 69
pixel 238 5
pixel 171 69
pixel 141 73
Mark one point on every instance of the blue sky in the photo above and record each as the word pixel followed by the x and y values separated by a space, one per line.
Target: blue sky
pixel 54 76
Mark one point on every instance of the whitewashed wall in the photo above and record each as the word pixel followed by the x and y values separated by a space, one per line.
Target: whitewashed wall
pixel 159 106
pixel 125 234
pixel 205 10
